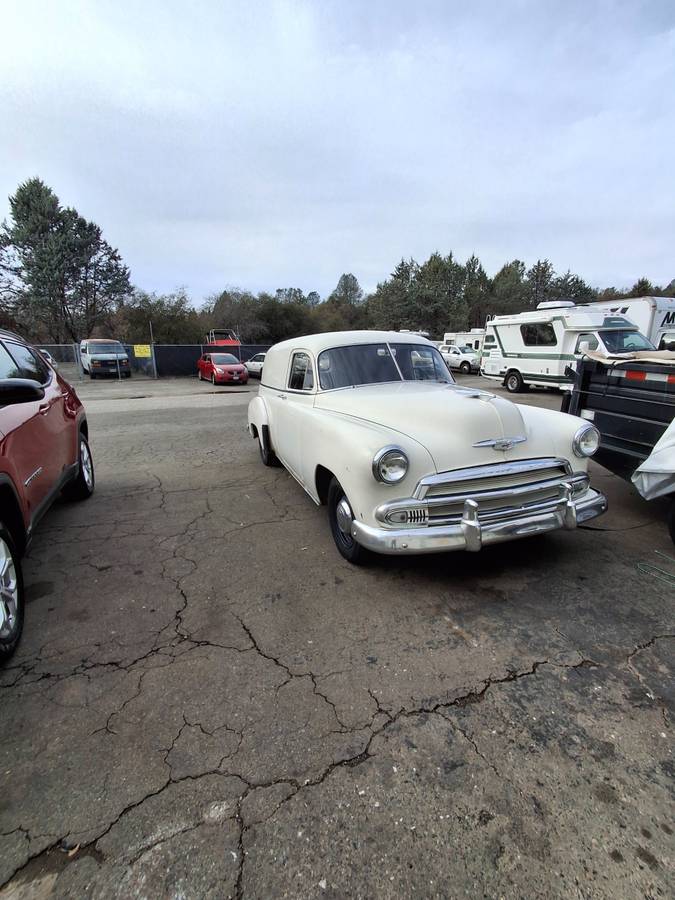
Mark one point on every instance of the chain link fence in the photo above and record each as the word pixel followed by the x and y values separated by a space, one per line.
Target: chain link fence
pixel 67 359
pixel 148 360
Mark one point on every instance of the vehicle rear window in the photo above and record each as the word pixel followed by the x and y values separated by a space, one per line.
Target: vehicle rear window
pixel 29 363
pixel 302 377
pixel 538 334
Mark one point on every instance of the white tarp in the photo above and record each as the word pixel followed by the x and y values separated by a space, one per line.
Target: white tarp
pixel 664 357
pixel 656 476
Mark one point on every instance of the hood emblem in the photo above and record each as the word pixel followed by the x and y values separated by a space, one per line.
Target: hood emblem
pixel 505 443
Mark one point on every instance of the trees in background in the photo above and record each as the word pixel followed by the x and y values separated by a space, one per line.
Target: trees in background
pixel 60 280
pixel 164 318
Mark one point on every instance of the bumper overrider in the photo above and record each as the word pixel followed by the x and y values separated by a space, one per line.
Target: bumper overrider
pixel 573 503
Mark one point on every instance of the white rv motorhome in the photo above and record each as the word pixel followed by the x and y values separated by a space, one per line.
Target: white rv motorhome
pixel 534 348
pixel 473 338
pixel 654 316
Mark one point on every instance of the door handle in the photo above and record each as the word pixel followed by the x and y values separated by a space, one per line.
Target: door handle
pixel 44 408
pixel 283 397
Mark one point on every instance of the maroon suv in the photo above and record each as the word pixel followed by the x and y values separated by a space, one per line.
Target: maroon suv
pixel 43 453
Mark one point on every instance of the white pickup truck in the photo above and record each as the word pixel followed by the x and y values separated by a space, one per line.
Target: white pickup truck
pixel 463 358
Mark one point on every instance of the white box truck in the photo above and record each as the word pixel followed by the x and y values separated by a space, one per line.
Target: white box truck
pixel 654 316
pixel 535 348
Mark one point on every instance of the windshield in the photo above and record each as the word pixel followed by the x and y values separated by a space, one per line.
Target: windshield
pixel 224 359
pixel 380 363
pixel 107 348
pixel 625 341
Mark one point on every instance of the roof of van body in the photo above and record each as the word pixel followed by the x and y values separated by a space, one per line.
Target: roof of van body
pixel 573 319
pixel 315 343
pixel 100 341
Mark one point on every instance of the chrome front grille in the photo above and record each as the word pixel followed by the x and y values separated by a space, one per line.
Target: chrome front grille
pixel 500 491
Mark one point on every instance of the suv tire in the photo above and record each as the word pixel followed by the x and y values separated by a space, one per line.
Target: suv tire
pixel 82 486
pixel 12 598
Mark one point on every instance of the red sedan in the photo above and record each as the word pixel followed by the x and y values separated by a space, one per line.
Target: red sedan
pixel 221 368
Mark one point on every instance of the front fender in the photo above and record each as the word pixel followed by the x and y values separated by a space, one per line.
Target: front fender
pixel 550 433
pixel 346 446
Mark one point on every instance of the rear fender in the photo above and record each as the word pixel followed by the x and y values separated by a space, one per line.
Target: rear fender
pixel 257 417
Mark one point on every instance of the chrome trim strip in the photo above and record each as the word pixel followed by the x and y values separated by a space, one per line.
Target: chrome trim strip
pixel 579 483
pixel 505 443
pixel 471 534
pixel 493 470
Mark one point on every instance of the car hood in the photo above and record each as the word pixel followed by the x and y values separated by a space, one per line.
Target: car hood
pixel 446 419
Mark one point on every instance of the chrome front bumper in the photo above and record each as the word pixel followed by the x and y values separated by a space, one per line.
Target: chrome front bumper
pixel 471 534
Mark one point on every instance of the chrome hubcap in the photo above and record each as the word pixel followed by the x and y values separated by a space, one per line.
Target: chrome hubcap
pixel 86 464
pixel 9 591
pixel 344 516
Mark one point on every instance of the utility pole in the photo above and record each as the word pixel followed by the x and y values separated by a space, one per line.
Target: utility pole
pixel 152 339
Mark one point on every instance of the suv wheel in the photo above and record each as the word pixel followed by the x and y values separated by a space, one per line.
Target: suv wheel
pixel 465 368
pixel 82 487
pixel 12 600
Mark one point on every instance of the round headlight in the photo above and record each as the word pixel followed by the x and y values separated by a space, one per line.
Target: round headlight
pixel 586 441
pixel 390 465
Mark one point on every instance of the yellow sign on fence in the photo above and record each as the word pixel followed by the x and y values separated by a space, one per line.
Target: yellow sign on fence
pixel 142 351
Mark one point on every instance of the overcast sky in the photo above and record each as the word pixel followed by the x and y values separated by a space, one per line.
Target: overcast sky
pixel 270 144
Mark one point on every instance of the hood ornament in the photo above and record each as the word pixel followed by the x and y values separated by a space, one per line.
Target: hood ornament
pixel 505 443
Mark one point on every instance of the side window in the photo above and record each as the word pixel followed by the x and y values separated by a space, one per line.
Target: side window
pixel 30 365
pixel 8 368
pixel 538 334
pixel 302 377
pixel 589 339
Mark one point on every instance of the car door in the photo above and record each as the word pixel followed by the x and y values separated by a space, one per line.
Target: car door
pixel 291 411
pixel 454 357
pixel 35 433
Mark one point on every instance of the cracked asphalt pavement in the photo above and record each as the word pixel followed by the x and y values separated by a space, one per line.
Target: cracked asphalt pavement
pixel 209 702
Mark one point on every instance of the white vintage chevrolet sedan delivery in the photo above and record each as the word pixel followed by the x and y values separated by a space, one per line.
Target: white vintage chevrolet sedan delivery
pixel 372 424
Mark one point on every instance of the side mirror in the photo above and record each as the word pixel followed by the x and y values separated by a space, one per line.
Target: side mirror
pixel 20 390
pixel 584 347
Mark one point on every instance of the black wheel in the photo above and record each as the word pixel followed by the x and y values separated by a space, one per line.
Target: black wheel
pixel 92 375
pixel 267 454
pixel 127 374
pixel 465 368
pixel 12 598
pixel 82 487
pixel 671 521
pixel 340 517
pixel 514 382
